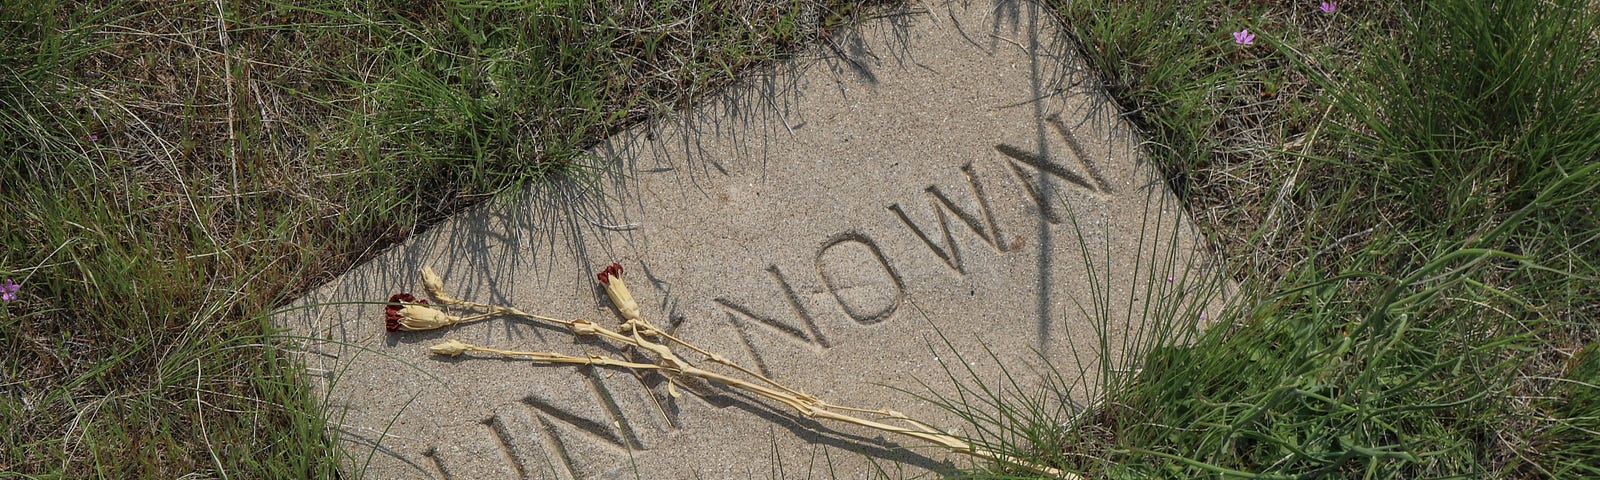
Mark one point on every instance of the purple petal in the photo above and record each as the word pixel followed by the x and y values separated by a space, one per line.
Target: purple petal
pixel 1243 37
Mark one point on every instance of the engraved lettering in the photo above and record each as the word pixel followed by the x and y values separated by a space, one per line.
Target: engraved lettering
pixel 985 227
pixel 807 334
pixel 1031 184
pixel 596 429
pixel 559 446
pixel 1077 151
pixel 432 455
pixel 618 421
pixel 1047 208
pixel 750 348
pixel 497 430
pixel 860 278
pixel 1044 166
pixel 602 431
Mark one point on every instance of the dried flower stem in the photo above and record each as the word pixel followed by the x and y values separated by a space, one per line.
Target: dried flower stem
pixel 636 332
pixel 648 330
pixel 550 357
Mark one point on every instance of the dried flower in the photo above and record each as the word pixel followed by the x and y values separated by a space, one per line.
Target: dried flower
pixel 8 290
pixel 450 347
pixel 1244 37
pixel 584 327
pixel 1328 7
pixel 420 317
pixel 611 277
pixel 612 270
pixel 405 312
pixel 435 287
pixel 391 312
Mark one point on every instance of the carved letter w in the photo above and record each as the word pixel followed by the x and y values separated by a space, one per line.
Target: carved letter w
pixel 983 226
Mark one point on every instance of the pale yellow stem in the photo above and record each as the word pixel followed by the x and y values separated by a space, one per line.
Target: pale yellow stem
pixel 718 359
pixel 669 364
pixel 552 357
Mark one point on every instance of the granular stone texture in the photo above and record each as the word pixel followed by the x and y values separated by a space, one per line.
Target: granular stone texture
pixel 947 174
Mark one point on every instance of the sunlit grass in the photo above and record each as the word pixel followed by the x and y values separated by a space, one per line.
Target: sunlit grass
pixel 1416 240
pixel 1404 194
pixel 173 170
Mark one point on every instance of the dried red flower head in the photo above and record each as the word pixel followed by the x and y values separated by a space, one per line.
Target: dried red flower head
pixel 611 277
pixel 391 312
pixel 613 270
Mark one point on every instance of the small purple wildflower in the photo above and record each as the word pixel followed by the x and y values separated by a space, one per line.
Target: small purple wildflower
pixel 8 290
pixel 1328 7
pixel 1244 37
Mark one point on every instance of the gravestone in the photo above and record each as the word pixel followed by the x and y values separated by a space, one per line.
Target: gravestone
pixel 928 175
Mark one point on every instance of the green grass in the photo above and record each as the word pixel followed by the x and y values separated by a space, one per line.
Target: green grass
pixel 1406 197
pixel 172 171
pixel 1404 192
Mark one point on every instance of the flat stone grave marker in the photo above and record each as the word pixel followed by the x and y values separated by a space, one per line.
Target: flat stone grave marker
pixel 823 222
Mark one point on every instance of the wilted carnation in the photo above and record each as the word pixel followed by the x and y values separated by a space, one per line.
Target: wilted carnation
pixel 435 287
pixel 406 312
pixel 450 347
pixel 422 317
pixel 391 312
pixel 611 277
pixel 613 270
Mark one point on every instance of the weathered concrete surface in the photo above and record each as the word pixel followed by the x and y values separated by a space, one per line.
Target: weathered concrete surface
pixel 818 222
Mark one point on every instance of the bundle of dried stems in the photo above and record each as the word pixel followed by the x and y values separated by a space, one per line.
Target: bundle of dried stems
pixel 406 313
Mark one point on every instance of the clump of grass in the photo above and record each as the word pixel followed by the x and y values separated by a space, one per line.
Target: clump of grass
pixel 1153 303
pixel 172 171
pixel 1417 239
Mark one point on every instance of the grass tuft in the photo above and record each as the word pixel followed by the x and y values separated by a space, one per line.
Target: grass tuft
pixel 173 171
pixel 1414 237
